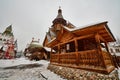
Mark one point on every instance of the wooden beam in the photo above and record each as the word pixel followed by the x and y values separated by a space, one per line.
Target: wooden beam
pixel 102 39
pixel 59 53
pixel 76 51
pixel 99 50
pixel 85 36
pixel 105 35
pixel 50 55
pixel 77 38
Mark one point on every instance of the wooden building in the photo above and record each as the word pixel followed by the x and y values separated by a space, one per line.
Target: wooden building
pixel 35 51
pixel 83 48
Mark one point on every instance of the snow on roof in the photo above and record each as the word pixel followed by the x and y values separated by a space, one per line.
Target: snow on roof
pixel 48 49
pixel 36 43
pixel 71 29
pixel 52 40
pixel 76 28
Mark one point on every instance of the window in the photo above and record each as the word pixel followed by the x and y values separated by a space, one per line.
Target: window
pixel 70 47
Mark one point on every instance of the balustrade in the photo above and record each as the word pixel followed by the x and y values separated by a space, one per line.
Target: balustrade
pixel 107 58
pixel 89 57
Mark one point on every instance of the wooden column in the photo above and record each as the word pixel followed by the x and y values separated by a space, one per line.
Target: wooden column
pixel 100 57
pixel 76 51
pixel 51 55
pixel 59 53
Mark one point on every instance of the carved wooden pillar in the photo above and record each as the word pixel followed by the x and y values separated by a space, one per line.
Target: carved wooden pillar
pixel 51 55
pixel 99 51
pixel 76 51
pixel 59 53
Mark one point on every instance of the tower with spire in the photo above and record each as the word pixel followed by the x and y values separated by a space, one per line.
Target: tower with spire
pixel 7 43
pixel 57 27
pixel 59 19
pixel 58 22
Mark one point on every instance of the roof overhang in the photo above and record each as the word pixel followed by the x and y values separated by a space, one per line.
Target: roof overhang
pixel 52 42
pixel 100 28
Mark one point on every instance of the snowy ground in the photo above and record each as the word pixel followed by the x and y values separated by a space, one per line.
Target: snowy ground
pixel 13 70
pixel 23 73
pixel 119 72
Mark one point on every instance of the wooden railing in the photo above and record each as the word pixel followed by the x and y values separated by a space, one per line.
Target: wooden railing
pixel 107 58
pixel 89 57
pixel 54 58
pixel 68 58
pixel 90 60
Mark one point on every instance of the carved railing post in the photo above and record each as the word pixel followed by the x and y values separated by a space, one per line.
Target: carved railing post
pixel 51 55
pixel 59 54
pixel 100 52
pixel 76 51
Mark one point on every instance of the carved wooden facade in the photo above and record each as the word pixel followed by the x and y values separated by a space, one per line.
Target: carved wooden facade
pixel 84 48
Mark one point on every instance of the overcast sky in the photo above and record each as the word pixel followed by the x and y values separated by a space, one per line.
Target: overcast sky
pixel 32 18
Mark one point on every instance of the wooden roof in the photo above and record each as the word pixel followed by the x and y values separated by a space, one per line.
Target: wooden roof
pixel 101 28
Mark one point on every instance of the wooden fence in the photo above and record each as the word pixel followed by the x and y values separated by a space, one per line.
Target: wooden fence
pixel 90 57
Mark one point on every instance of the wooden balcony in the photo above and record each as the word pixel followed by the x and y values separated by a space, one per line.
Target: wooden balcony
pixel 89 60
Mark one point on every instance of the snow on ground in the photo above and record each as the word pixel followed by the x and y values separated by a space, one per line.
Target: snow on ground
pixel 35 73
pixel 119 72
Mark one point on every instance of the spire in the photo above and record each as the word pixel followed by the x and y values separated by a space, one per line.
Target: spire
pixel 59 19
pixel 9 28
pixel 59 9
pixel 8 31
pixel 59 13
